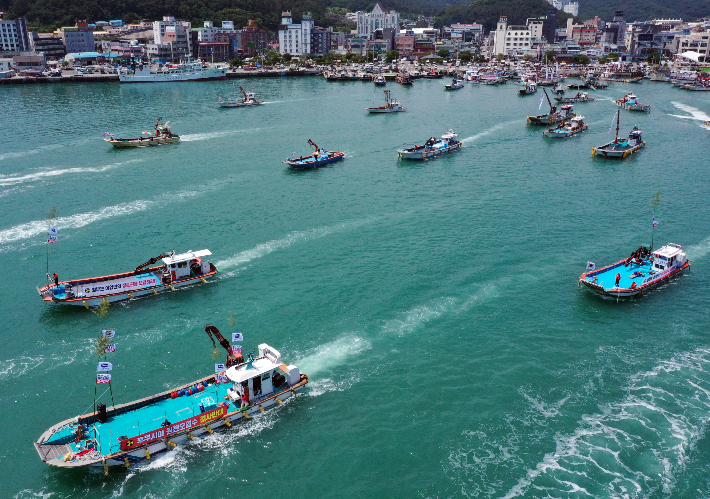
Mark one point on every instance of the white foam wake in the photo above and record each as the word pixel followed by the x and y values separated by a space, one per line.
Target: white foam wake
pixel 633 447
pixel 489 131
pixel 694 112
pixel 698 250
pixel 214 135
pixel 6 180
pixel 333 354
pixel 34 228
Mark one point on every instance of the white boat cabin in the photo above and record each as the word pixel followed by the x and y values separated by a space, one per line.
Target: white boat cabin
pixel 180 265
pixel 261 377
pixel 668 256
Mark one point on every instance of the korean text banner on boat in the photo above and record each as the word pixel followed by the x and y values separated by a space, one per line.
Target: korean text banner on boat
pixel 124 284
pixel 173 429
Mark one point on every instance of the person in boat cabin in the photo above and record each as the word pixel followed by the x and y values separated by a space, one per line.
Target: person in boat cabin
pixel 245 393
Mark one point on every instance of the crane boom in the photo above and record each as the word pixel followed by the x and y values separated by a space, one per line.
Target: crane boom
pixel 213 333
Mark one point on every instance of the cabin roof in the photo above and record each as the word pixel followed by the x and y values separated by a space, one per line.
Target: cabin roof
pixel 240 373
pixel 186 256
pixel 669 250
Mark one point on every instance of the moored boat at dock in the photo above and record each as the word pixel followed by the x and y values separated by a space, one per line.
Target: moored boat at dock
pixel 320 157
pixel 643 270
pixel 433 147
pixel 163 135
pixel 134 432
pixel 248 101
pixel 176 271
pixel 454 85
pixel 187 71
pixel 405 79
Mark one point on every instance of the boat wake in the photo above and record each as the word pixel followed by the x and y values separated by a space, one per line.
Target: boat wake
pixel 633 447
pixel 333 354
pixel 263 249
pixel 699 250
pixel 499 126
pixel 694 112
pixel 214 135
pixel 8 180
pixel 37 227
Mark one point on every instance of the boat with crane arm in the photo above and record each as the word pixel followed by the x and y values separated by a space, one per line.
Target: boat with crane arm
pixel 248 101
pixel 320 157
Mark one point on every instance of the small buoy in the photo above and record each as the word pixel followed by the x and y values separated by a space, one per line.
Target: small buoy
pixel 86 305
pixel 125 459
pixel 154 291
pixel 190 436
pixel 105 468
pixel 147 453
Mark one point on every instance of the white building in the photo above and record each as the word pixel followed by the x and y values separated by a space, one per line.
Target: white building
pixel 14 36
pixel 367 24
pixel 572 8
pixel 295 39
pixel 160 28
pixel 172 40
pixel 511 39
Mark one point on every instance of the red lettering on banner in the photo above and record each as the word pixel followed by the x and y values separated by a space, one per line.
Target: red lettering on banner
pixel 173 429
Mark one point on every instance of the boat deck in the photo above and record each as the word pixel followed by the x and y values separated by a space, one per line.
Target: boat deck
pixel 606 277
pixel 144 419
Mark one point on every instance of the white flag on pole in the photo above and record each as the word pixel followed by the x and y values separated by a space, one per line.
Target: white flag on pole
pixel 237 337
pixel 542 98
pixel 104 366
pixel 612 124
pixel 219 367
pixel 53 230
pixel 109 333
pixel 591 266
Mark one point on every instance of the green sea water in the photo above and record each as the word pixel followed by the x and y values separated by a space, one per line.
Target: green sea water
pixel 433 305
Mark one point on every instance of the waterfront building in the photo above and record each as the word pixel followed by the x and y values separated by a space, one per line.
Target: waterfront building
pixel 172 40
pixel 14 36
pixel 571 8
pixel 613 32
pixel 79 38
pixel 404 43
pixel 509 39
pixel 295 39
pixel 698 40
pixel 27 63
pixel 48 44
pixel 369 23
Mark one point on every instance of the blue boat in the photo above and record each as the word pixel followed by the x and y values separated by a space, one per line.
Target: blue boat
pixel 643 270
pixel 320 157
pixel 136 431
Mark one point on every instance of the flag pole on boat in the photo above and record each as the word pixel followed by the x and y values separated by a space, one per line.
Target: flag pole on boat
pixel 655 201
pixel 52 235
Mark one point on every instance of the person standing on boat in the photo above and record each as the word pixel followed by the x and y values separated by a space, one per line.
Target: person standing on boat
pixel 618 278
pixel 56 279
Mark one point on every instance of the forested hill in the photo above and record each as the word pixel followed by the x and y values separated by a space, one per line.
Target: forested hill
pixel 635 10
pixel 487 12
pixel 55 13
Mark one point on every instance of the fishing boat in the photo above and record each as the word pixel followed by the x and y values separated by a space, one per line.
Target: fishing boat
pixel 530 88
pixel 320 157
pixel 163 135
pixel 559 89
pixel 578 86
pixel 405 79
pixel 580 97
pixel 187 71
pixel 553 116
pixel 433 147
pixel 391 106
pixel 630 102
pixel 176 271
pixel 137 431
pixel 454 85
pixel 248 101
pixel 643 270
pixel 379 80
pixel 572 127
pixel 620 148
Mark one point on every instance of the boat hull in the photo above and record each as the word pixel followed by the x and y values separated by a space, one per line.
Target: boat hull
pixel 563 134
pixel 299 164
pixel 147 77
pixel 376 110
pixel 427 153
pixel 140 142
pixel 608 152
pixel 241 104
pixel 54 455
pixel 586 279
pixel 95 301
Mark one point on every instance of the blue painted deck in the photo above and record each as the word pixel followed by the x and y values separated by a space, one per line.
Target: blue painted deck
pixel 606 277
pixel 148 418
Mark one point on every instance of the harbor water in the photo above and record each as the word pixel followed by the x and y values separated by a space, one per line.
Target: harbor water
pixel 434 305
